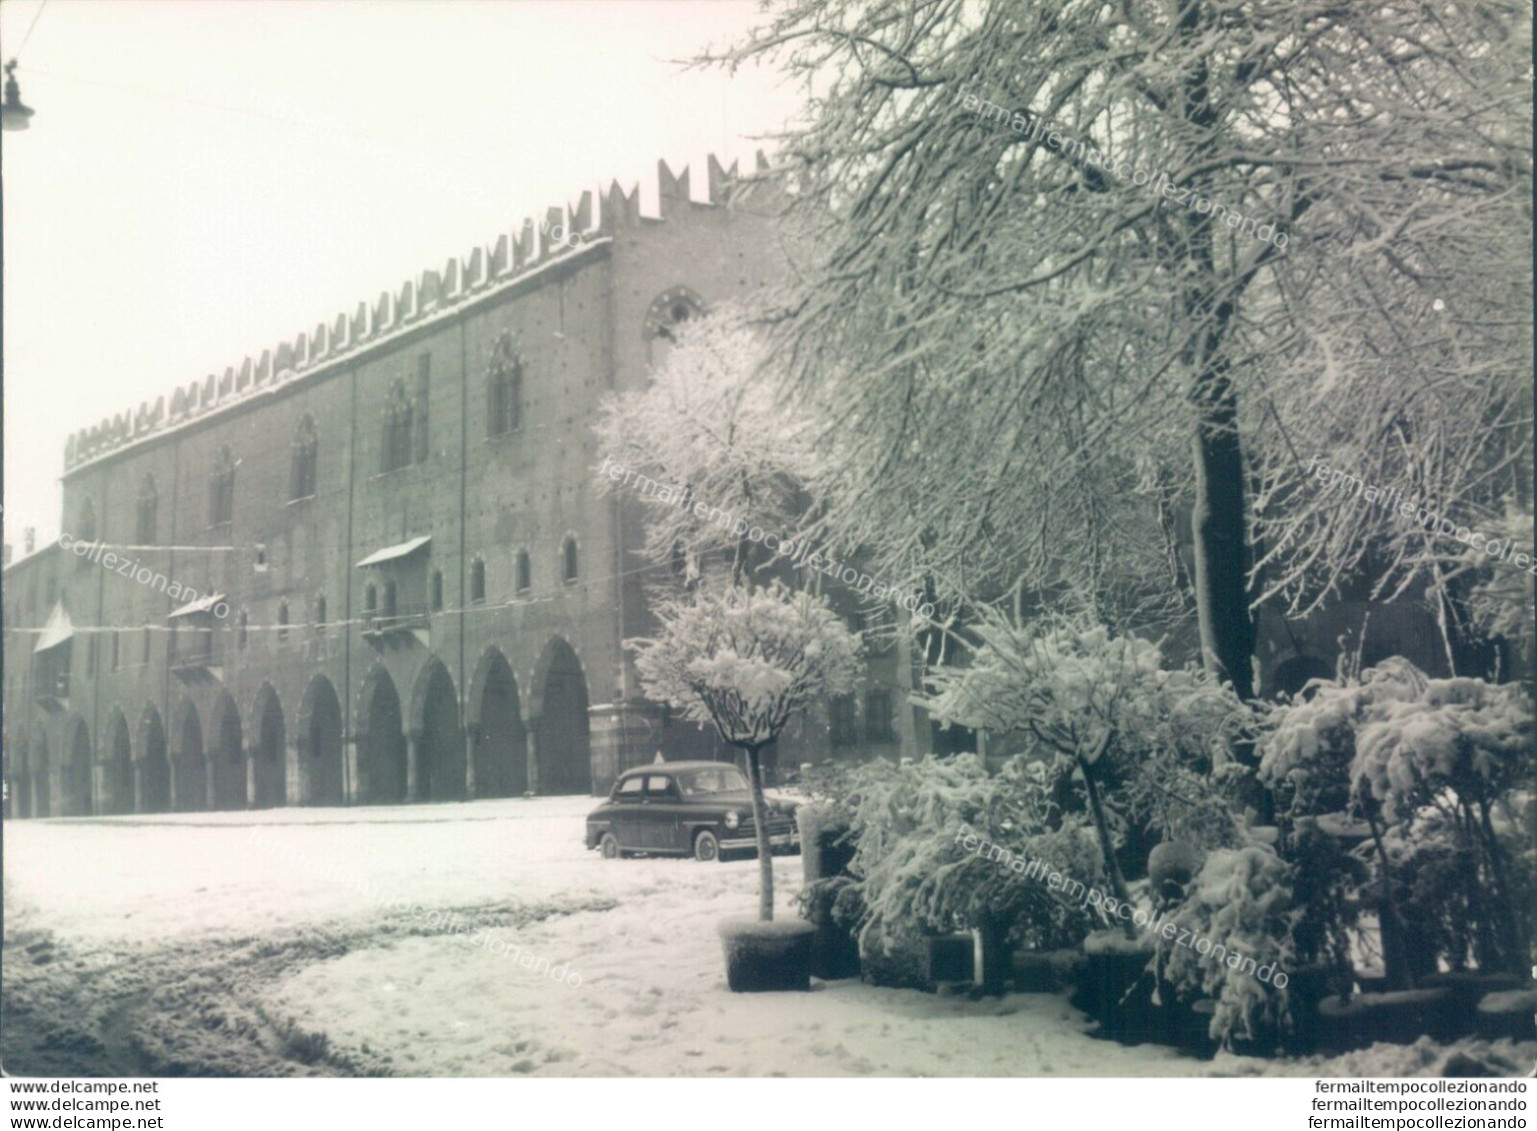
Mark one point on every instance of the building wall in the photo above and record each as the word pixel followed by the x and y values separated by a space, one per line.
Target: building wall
pixel 577 317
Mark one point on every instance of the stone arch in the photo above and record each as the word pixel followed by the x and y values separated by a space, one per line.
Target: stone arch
pixel 75 772
pixel 381 743
pixel 226 756
pixel 558 713
pixel 189 767
pixel 436 736
pixel 320 745
pixel 117 767
pixel 497 738
pixel 152 768
pixel 269 751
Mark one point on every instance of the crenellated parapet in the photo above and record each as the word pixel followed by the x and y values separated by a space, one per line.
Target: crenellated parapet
pixel 564 232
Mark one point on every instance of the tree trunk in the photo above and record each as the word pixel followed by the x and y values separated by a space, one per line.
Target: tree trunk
pixel 760 830
pixel 1395 958
pixel 1102 828
pixel 1221 547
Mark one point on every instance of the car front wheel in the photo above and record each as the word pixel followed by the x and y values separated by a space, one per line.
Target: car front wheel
pixel 609 846
pixel 706 846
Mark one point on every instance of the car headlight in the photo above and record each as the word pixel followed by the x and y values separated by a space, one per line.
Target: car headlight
pixel 733 818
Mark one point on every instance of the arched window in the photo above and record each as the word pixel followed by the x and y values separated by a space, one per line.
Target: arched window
pixel 669 310
pixel 85 524
pixel 149 512
pixel 523 574
pixel 437 590
pixel 389 598
pixel 283 622
pixel 477 581
pixel 243 629
pixel 221 489
pixel 370 598
pixel 395 452
pixel 504 389
pixel 568 562
pixel 85 531
pixel 306 459
pixel 320 615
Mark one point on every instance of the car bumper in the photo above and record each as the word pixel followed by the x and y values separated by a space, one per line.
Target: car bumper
pixel 776 840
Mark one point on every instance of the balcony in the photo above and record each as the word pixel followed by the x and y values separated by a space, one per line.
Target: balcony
pixel 381 625
pixel 52 690
pixel 194 657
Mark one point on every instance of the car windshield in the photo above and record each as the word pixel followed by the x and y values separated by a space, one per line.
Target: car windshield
pixel 725 780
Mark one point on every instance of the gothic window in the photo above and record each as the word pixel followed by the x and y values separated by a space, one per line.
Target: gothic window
pixel 306 459
pixel 477 581
pixel 85 526
pixel 221 489
pixel 389 598
pixel 242 629
pixel 148 513
pixel 320 615
pixel 396 449
pixel 523 574
pixel 423 383
pixel 843 724
pixel 878 716
pixel 370 598
pixel 85 531
pixel 437 590
pixel 504 389
pixel 283 622
pixel 568 562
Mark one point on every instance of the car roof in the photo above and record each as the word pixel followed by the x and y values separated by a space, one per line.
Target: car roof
pixel 676 767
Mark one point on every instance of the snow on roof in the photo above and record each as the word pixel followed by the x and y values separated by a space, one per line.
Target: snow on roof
pixel 201 605
pixel 391 553
pixel 58 629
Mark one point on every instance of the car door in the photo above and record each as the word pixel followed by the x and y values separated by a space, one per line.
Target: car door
pixel 625 814
pixel 661 815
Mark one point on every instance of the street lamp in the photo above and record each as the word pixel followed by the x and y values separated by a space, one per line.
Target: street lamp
pixel 14 114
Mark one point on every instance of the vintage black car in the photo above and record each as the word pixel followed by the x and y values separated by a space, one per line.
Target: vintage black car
pixel 698 809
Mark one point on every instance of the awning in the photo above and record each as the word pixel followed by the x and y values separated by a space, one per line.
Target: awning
pixel 201 605
pixel 395 553
pixel 58 629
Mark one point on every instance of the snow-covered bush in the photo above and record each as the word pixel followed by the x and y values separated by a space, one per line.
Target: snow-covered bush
pixel 1501 601
pixel 1395 747
pixel 746 660
pixel 917 871
pixel 1243 902
pixel 1141 739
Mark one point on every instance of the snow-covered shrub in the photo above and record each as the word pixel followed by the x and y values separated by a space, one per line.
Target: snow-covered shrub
pixel 1140 739
pixel 1395 746
pixel 915 873
pixel 1243 902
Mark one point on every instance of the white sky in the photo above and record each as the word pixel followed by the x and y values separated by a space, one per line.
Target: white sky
pixel 205 178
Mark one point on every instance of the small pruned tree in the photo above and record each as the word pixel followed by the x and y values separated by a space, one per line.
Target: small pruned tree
pixel 747 660
pixel 1104 709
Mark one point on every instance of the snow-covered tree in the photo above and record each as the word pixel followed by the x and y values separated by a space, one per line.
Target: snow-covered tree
pixel 711 425
pixel 1103 708
pixel 1410 748
pixel 1009 335
pixel 746 660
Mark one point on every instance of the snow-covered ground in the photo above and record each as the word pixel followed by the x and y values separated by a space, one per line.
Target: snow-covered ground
pixel 397 940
